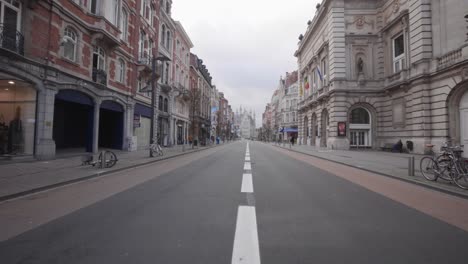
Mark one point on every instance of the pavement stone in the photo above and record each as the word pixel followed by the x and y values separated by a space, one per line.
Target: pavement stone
pixel 385 163
pixel 21 178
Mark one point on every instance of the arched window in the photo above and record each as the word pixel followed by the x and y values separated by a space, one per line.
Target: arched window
pixel 120 71
pixel 360 116
pixel 166 105
pixel 99 58
pixel 150 48
pixel 160 103
pixel 69 46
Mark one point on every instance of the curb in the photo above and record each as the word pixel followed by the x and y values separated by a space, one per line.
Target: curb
pixel 95 175
pixel 422 184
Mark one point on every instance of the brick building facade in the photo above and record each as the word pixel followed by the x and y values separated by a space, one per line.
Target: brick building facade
pixel 74 74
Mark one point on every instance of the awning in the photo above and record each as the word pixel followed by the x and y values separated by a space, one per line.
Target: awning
pixel 142 110
pixel 290 130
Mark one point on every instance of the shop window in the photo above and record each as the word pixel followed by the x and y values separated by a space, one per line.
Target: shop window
pixel 17 118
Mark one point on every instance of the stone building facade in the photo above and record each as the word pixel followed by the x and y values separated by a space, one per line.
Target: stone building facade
pixel 375 72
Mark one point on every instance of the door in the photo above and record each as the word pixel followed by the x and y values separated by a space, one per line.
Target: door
pixel 464 123
pixel 359 138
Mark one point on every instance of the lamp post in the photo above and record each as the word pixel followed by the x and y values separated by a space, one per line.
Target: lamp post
pixel 154 78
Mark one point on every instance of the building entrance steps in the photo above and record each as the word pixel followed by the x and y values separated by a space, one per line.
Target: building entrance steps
pixel 22 178
pixel 390 164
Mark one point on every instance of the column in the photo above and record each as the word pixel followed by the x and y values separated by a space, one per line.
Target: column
pixel 129 143
pixel 45 144
pixel 97 108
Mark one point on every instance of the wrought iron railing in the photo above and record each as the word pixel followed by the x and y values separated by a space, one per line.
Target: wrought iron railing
pixel 100 76
pixel 11 39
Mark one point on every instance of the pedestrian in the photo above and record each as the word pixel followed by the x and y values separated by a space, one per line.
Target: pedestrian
pixel 292 140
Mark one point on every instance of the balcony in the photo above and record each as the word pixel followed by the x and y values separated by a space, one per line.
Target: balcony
pixel 100 76
pixel 449 59
pixel 11 39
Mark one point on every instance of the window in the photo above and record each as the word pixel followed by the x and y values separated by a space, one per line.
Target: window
pixel 116 8
pixel 150 48
pixel 398 53
pixel 142 43
pixel 168 7
pixel 152 13
pixel 166 74
pixel 360 116
pixel 124 24
pixel 324 71
pixel 99 58
pixel 120 71
pixel 10 17
pixel 168 40
pixel 163 36
pixel 160 103
pixel 69 46
pixel 93 6
pixel 166 105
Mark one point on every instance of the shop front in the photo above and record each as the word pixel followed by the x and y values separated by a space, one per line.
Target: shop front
pixel 73 121
pixel 17 118
pixel 142 125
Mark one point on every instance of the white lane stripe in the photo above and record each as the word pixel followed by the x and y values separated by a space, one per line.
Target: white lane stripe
pixel 247 166
pixel 246 249
pixel 247 184
pixel 247 158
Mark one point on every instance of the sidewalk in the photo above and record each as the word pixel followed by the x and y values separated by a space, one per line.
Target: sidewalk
pixel 17 179
pixel 385 163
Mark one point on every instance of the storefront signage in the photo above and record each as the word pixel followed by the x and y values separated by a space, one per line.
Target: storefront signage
pixel 342 129
pixel 136 121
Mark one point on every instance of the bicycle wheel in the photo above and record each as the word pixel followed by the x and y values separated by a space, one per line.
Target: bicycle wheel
pixel 428 168
pixel 110 159
pixel 444 165
pixel 460 177
pixel 160 151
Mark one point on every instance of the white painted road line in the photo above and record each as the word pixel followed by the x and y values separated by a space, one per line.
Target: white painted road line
pixel 247 158
pixel 247 166
pixel 247 184
pixel 246 249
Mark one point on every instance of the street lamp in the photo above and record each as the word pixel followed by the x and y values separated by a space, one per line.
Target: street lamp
pixel 154 77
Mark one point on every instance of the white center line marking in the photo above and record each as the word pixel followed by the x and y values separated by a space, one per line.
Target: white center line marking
pixel 247 166
pixel 246 249
pixel 247 158
pixel 247 184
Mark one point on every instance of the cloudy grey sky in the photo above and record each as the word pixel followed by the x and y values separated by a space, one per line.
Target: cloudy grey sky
pixel 246 44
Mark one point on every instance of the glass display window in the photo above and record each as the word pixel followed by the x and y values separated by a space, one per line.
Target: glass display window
pixel 17 117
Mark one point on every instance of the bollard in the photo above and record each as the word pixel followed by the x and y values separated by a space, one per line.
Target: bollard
pixel 103 159
pixel 411 166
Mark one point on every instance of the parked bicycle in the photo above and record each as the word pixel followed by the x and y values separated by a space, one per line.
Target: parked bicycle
pixel 155 148
pixel 449 165
pixel 106 159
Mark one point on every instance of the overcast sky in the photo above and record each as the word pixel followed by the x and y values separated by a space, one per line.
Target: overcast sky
pixel 245 44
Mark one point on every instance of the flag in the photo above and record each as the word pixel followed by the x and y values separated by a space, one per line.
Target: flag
pixel 319 74
pixel 306 83
pixel 301 90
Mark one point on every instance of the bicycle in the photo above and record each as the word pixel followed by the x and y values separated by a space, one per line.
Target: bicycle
pixel 449 165
pixel 436 166
pixel 155 148
pixel 106 158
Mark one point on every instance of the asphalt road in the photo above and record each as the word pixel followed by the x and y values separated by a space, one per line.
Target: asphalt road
pixel 206 211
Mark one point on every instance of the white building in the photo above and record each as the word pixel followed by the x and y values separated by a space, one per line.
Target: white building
pixel 374 72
